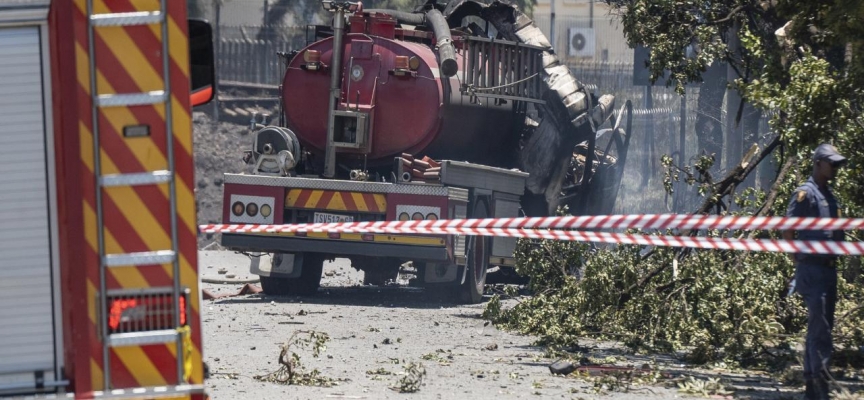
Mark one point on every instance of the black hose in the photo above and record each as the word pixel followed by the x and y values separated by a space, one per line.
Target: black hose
pixel 402 17
pixel 446 52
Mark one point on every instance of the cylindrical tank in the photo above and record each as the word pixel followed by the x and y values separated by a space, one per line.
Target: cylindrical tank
pixel 417 112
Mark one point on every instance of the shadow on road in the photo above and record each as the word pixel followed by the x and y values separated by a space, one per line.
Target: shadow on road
pixel 359 296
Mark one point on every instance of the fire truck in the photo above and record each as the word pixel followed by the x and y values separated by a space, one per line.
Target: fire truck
pixel 99 293
pixel 456 110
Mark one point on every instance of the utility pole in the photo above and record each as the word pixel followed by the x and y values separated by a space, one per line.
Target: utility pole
pixel 217 42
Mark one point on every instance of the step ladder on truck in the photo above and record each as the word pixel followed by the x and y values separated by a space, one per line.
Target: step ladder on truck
pixel 99 288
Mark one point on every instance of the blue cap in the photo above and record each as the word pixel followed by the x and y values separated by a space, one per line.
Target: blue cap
pixel 828 152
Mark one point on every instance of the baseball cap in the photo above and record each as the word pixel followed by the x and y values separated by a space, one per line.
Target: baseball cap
pixel 828 152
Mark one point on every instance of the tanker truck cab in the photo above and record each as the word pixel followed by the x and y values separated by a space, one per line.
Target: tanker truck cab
pixel 392 116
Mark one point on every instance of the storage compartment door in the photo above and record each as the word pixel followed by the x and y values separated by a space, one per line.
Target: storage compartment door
pixel 27 323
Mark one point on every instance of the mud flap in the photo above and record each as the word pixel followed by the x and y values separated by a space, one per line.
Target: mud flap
pixel 282 265
pixel 443 273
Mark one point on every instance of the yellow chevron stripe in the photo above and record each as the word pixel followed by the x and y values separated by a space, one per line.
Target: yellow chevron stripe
pixel 91 301
pixel 127 277
pixel 197 373
pixel 147 155
pixel 139 365
pixel 182 123
pixel 291 197
pixel 130 205
pixel 96 378
pixel 127 52
pixel 336 202
pixel 359 201
pixel 381 201
pixel 139 5
pixel 314 198
pixel 145 150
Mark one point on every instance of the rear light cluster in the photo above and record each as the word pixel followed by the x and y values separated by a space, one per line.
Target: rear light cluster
pixel 143 312
pixel 417 216
pixel 251 209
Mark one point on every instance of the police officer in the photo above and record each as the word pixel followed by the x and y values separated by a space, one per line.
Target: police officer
pixel 816 275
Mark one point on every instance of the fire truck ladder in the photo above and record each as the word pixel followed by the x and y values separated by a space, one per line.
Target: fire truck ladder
pixel 145 334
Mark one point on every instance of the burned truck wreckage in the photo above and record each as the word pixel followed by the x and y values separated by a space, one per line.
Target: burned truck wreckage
pixel 457 110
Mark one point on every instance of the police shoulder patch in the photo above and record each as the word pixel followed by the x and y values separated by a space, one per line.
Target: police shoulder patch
pixel 802 194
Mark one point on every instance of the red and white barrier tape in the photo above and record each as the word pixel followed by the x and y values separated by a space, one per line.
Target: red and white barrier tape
pixel 562 228
pixel 647 221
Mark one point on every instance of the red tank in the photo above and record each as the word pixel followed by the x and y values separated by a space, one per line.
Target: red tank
pixel 415 111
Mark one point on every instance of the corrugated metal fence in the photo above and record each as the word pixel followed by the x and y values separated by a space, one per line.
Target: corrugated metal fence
pixel 243 58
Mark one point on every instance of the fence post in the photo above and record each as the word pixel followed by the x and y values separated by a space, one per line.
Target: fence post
pixel 218 65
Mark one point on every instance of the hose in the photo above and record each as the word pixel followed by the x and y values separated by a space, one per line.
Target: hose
pixel 402 17
pixel 446 52
pixel 435 20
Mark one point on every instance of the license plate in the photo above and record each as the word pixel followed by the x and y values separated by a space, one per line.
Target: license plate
pixel 326 218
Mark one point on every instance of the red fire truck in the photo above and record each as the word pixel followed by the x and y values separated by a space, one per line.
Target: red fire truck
pixel 99 292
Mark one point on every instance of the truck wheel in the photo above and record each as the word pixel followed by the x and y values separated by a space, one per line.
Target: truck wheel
pixel 384 269
pixel 306 284
pixel 471 291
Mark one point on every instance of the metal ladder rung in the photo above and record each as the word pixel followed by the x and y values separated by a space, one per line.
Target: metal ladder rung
pixel 136 179
pixel 153 392
pixel 128 18
pixel 131 99
pixel 142 258
pixel 142 338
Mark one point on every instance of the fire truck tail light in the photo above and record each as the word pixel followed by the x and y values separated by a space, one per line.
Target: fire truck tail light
pixel 334 235
pixel 144 312
pixel 368 237
pixel 401 62
pixel 238 208
pixel 252 209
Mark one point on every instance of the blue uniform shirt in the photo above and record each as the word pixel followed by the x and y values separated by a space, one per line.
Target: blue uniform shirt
pixel 809 201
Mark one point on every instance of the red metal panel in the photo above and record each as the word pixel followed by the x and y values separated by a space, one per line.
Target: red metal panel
pixel 69 200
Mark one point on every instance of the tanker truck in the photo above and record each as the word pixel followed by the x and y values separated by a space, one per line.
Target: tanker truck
pixel 457 110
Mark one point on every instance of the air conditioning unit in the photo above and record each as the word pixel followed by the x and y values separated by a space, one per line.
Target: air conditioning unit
pixel 581 42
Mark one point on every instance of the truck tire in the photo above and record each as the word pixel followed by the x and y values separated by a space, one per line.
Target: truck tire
pixel 306 284
pixel 471 291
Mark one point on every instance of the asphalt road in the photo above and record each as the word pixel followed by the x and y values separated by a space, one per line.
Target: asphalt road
pixel 376 331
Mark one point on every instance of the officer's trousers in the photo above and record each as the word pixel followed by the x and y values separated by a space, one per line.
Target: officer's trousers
pixel 818 286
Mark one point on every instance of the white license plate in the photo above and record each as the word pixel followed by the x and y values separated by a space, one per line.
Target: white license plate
pixel 326 218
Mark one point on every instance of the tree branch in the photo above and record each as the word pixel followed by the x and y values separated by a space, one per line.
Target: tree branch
pixel 727 185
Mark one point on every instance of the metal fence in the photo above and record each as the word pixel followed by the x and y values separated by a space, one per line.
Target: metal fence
pixel 243 58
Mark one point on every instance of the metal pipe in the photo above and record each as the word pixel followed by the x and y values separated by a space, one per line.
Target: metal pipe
pixel 335 91
pixel 446 51
pixel 402 17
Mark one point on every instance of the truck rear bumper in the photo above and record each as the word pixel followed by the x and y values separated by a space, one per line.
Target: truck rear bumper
pixel 336 247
